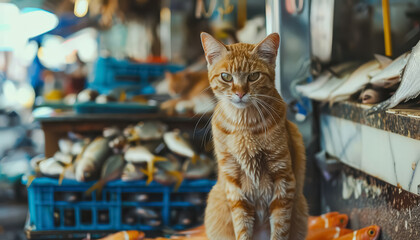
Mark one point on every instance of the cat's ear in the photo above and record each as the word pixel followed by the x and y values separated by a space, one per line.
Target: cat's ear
pixel 213 48
pixel 268 47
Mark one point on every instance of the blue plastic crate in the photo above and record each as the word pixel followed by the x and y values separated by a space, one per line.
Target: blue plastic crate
pixel 49 210
pixel 111 74
pixel 114 107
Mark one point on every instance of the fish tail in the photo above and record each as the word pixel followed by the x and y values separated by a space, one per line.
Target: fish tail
pixel 150 170
pixel 98 186
pixel 379 107
pixel 31 178
pixel 178 177
pixel 159 159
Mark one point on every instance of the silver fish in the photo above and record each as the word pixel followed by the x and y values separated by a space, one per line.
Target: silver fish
pixel 133 172
pixel 203 168
pixel 410 84
pixel 140 154
pixel 77 147
pixel 356 81
pixel 111 132
pixel 65 145
pixel 51 167
pixel 87 95
pixel 150 130
pixel 323 93
pixel 92 159
pixel 177 144
pixel 111 170
pixel 391 74
pixel 104 98
pixel 147 213
pixel 64 158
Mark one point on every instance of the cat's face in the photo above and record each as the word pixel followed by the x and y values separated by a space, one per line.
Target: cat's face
pixel 241 73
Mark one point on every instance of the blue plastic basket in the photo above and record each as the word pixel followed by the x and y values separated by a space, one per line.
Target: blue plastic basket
pixel 111 74
pixel 49 211
pixel 114 107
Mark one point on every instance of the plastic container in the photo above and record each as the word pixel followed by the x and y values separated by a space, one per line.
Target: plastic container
pixel 65 207
pixel 111 74
pixel 114 107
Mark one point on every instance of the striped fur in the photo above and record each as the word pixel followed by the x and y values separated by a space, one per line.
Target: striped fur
pixel 261 157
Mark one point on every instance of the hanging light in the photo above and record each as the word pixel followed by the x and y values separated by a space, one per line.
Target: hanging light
pixel 81 8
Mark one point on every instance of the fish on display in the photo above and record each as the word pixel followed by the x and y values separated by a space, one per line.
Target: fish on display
pixel 203 168
pixel 328 220
pixel 77 147
pixel 64 158
pixel 118 144
pixel 65 145
pixel 168 178
pixel 92 158
pixel 132 172
pixel 327 233
pixel 87 95
pixel 410 85
pixel 153 222
pixel 367 233
pixel 51 167
pixel 111 170
pixel 111 132
pixel 177 144
pixel 140 154
pixel 328 81
pixel 372 94
pixel 356 80
pixel 185 217
pixel 196 198
pixel 146 213
pixel 105 98
pixel 150 130
pixel 391 74
pixel 125 235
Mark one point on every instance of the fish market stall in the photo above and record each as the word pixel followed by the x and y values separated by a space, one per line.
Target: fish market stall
pixel 107 109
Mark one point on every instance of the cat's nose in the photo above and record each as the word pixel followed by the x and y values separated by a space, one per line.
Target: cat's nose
pixel 240 94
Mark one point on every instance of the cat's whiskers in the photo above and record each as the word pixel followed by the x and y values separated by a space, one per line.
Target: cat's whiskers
pixel 202 115
pixel 266 108
pixel 262 118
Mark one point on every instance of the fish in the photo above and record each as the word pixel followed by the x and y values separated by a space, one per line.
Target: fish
pixel 323 94
pixel 409 87
pixel 185 217
pixel 118 144
pixel 132 172
pixel 168 178
pixel 203 168
pixel 51 167
pixel 65 145
pixel 140 154
pixel 371 94
pixel 195 198
pixel 87 95
pixel 64 158
pixel 367 233
pixel 320 82
pixel 77 147
pixel 328 220
pixel 153 222
pixel 327 233
pixel 111 132
pixel 177 144
pixel 391 74
pixel 356 80
pixel 146 213
pixel 125 235
pixel 104 98
pixel 90 163
pixel 111 170
pixel 150 130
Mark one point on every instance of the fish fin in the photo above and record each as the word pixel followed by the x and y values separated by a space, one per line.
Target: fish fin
pixel 179 177
pixel 97 186
pixel 149 172
pixel 31 178
pixel 195 158
pixel 61 177
pixel 122 97
pixel 381 107
pixel 382 60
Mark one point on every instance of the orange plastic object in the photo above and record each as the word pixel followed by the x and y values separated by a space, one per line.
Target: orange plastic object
pixel 125 235
pixel 332 219
pixel 367 233
pixel 327 233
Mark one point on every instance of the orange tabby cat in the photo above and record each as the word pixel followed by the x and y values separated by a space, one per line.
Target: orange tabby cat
pixel 261 157
pixel 189 89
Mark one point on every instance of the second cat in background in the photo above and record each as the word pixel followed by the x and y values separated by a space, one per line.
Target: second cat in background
pixel 190 92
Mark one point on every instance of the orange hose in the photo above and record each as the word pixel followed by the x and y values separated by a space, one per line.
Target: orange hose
pixel 387 27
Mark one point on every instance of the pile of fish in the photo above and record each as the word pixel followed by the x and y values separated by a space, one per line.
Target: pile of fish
pixel 382 80
pixel 147 150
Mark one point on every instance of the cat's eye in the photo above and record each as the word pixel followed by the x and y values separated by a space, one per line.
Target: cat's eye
pixel 253 76
pixel 226 77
